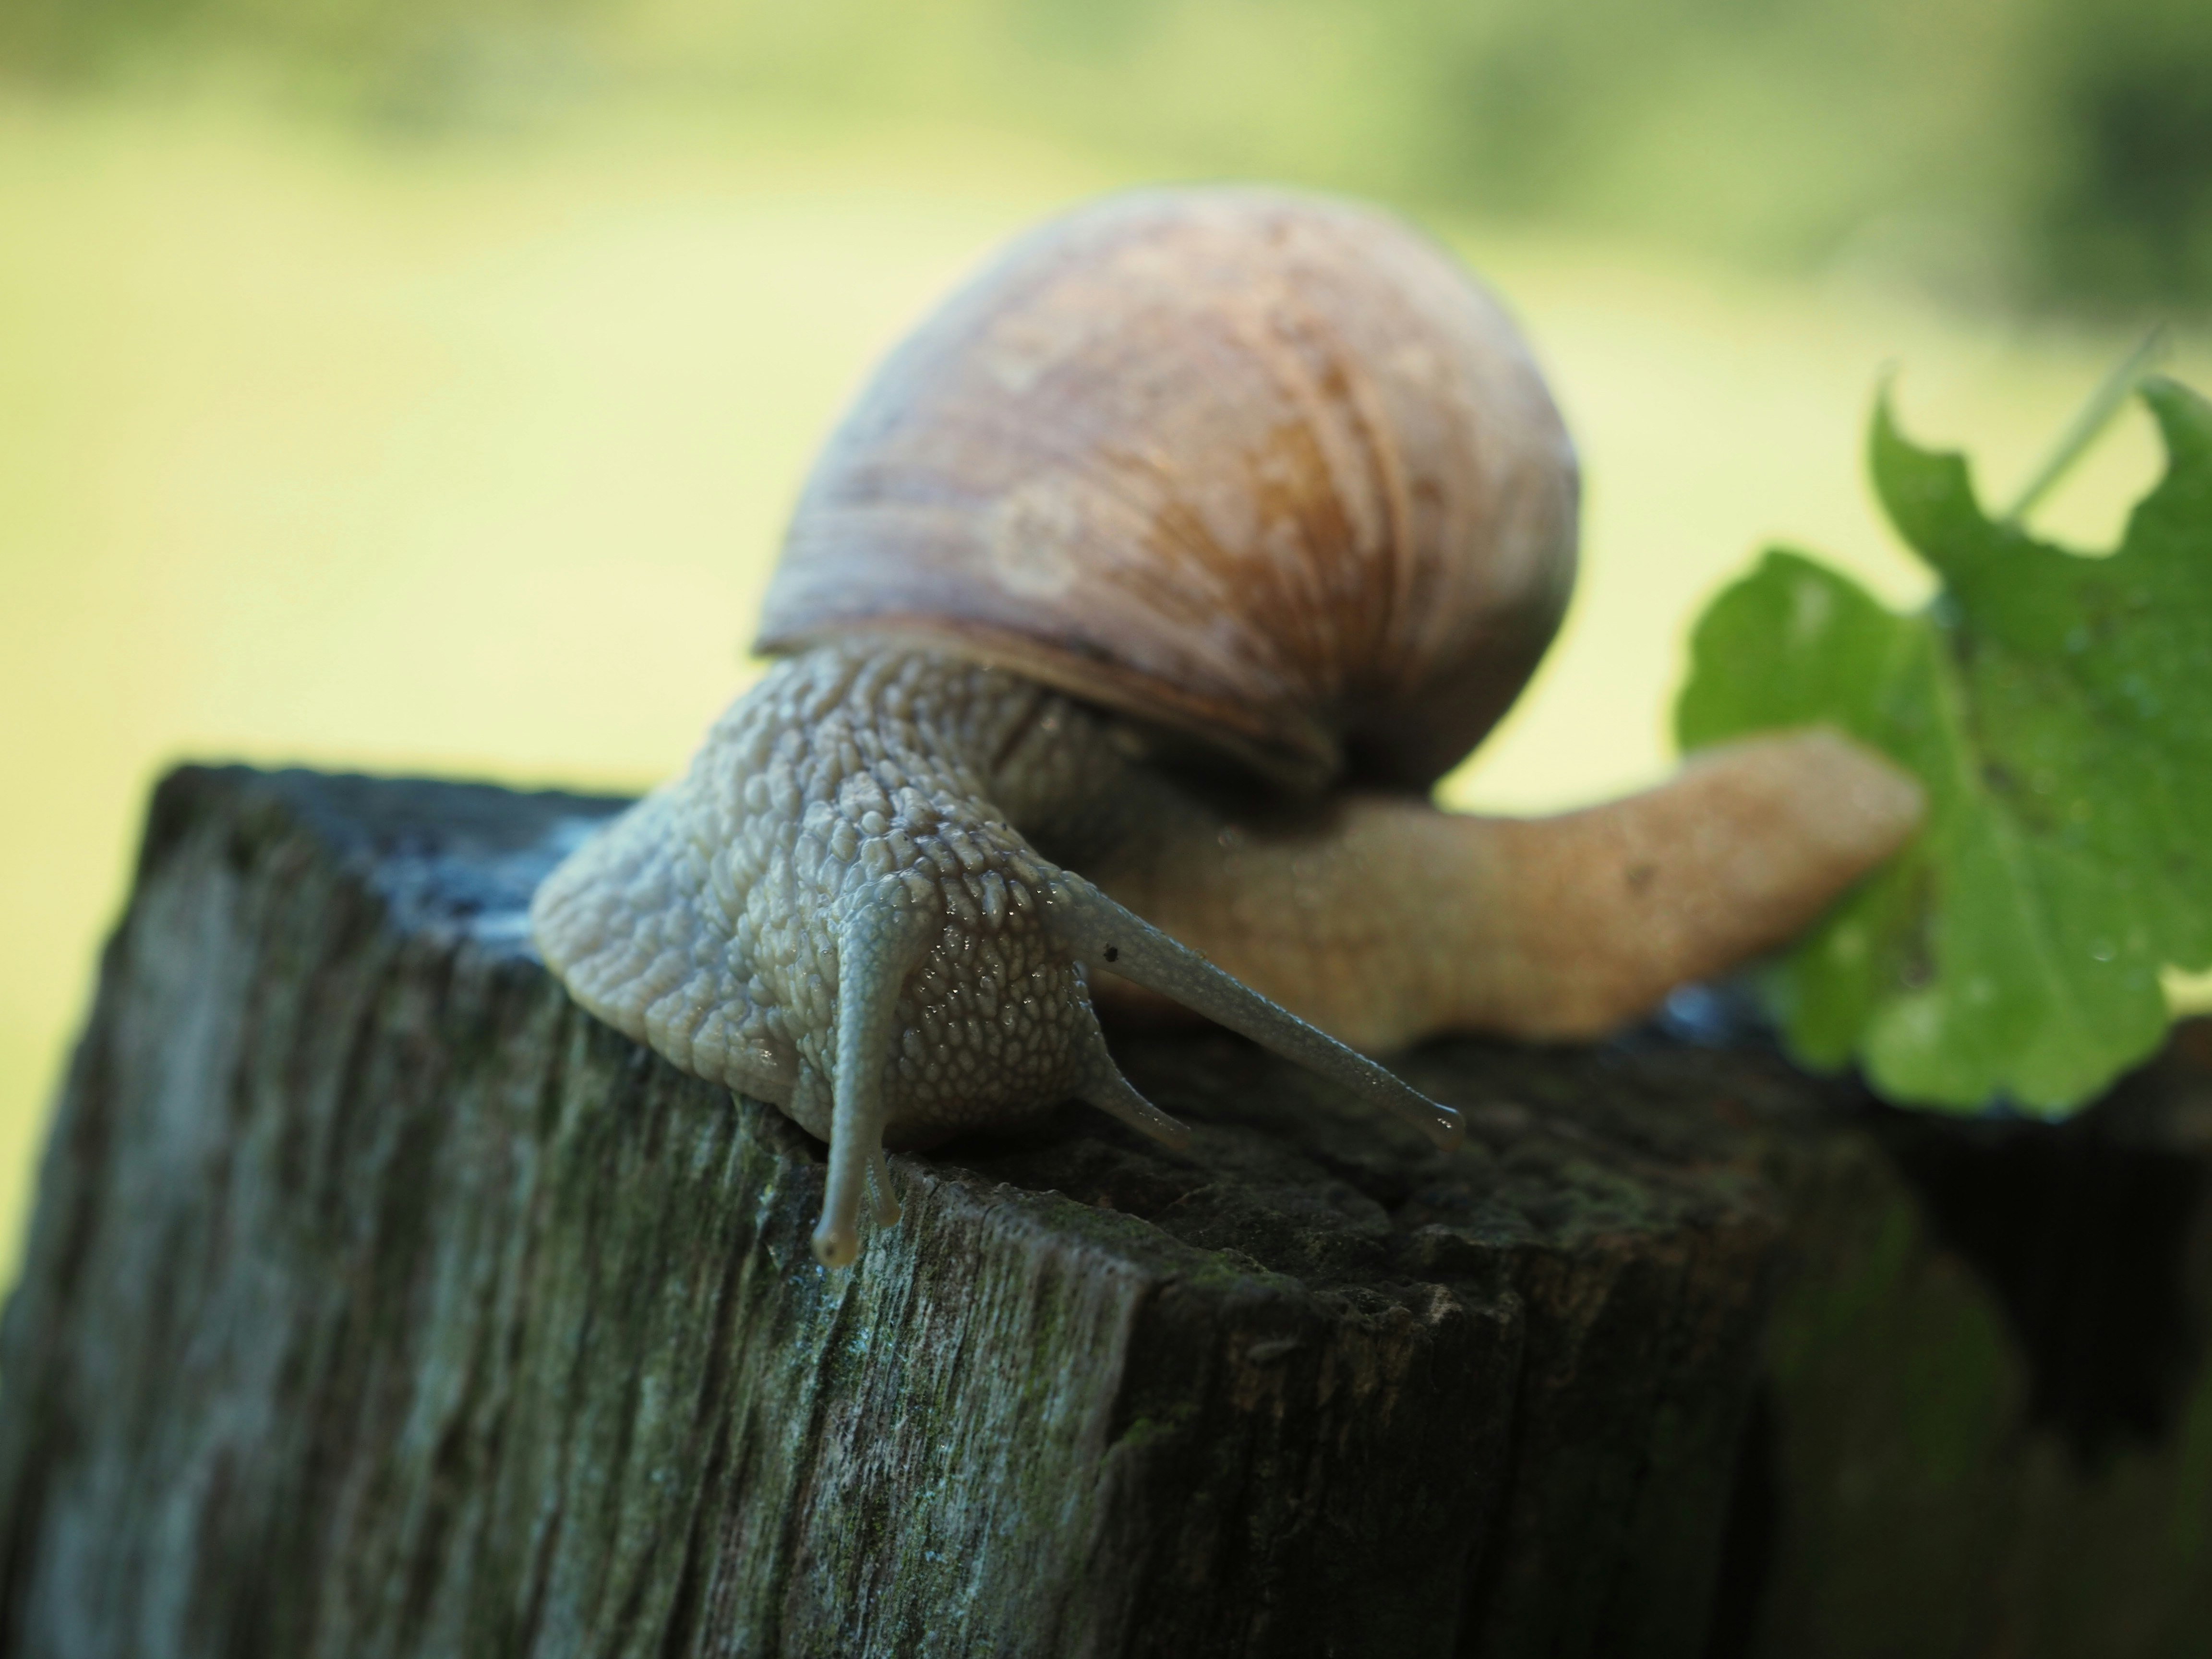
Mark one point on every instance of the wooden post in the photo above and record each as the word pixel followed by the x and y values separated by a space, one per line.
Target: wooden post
pixel 380 1303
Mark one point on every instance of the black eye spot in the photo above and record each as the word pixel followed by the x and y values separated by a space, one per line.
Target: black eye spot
pixel 1113 953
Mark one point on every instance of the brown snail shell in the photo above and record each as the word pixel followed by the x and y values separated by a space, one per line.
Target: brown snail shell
pixel 1268 470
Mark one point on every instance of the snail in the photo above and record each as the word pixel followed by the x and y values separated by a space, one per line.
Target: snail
pixel 1123 626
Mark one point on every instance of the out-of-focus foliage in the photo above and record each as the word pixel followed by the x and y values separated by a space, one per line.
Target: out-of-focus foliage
pixel 2059 150
pixel 2128 212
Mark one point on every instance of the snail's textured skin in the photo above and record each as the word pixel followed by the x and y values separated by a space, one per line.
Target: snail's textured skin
pixel 706 922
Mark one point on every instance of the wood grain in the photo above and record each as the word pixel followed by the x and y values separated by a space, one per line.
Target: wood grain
pixel 380 1303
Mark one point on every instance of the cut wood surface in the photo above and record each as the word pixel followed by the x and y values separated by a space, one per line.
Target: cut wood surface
pixel 378 1302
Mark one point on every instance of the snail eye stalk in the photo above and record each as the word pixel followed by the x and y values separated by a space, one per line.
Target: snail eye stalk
pixel 1109 938
pixel 877 946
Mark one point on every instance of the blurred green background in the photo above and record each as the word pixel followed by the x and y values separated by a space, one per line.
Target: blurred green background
pixel 422 383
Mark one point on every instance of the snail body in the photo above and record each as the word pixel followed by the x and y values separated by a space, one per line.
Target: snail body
pixel 1125 623
pixel 833 911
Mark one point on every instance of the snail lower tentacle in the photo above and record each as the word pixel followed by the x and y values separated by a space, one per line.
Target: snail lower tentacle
pixel 834 911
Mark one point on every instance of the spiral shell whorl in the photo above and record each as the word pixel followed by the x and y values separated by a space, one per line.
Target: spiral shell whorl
pixel 1269 470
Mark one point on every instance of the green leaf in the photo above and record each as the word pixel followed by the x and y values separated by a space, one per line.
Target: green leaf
pixel 2058 707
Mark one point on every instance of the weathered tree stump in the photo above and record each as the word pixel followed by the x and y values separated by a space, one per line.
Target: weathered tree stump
pixel 380 1303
